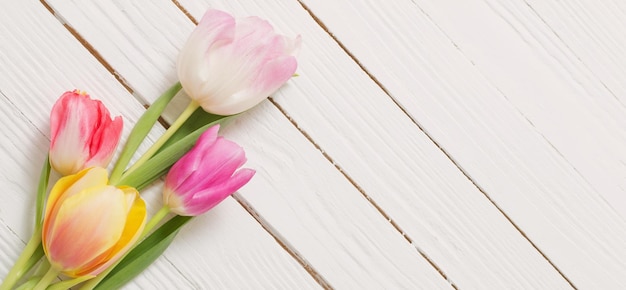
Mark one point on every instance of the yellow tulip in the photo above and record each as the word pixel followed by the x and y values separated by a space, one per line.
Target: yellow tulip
pixel 89 225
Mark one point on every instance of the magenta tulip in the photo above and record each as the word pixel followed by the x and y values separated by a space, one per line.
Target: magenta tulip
pixel 229 65
pixel 206 175
pixel 83 134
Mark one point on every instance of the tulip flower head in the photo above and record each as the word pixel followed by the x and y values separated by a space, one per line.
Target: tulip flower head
pixel 88 225
pixel 206 175
pixel 229 65
pixel 83 134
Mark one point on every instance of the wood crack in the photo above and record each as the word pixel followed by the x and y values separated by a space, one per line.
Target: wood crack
pixel 89 48
pixel 448 156
pixel 264 224
pixel 281 241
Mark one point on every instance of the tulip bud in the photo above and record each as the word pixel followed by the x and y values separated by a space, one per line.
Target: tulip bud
pixel 228 66
pixel 206 175
pixel 89 225
pixel 83 134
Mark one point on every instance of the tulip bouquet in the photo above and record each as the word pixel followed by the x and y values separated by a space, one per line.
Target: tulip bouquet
pixel 92 227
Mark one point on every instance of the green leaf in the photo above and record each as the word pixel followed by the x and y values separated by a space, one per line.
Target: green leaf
pixel 29 284
pixel 143 254
pixel 198 119
pixel 141 130
pixel 158 165
pixel 34 259
pixel 68 284
pixel 42 188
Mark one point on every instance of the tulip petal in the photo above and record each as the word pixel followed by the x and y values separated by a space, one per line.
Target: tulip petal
pixel 69 135
pixel 226 156
pixel 190 161
pixel 206 175
pixel 82 133
pixel 105 139
pixel 257 69
pixel 216 29
pixel 228 66
pixel 239 63
pixel 84 229
pixel 206 200
pixel 69 186
pixel 135 222
pixel 271 77
pixel 174 201
pixel 292 46
pixel 251 31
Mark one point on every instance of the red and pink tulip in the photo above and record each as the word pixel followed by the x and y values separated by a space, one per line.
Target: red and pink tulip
pixel 82 133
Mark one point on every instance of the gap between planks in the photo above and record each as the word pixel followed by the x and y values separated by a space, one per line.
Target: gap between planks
pixel 248 208
pixel 264 224
pixel 268 228
pixel 292 252
pixel 384 89
pixel 315 275
pixel 467 175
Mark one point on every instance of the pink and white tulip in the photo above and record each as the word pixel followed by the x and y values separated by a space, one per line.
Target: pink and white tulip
pixel 229 65
pixel 89 225
pixel 83 134
pixel 206 175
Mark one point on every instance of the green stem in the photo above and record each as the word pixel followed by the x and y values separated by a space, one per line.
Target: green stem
pixel 52 273
pixel 34 260
pixel 158 217
pixel 30 256
pixel 166 136
pixel 42 268
pixel 42 188
pixel 141 130
pixel 19 268
pixel 91 284
pixel 67 284
pixel 30 284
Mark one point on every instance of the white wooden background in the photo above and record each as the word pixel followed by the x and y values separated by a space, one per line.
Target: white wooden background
pixel 434 144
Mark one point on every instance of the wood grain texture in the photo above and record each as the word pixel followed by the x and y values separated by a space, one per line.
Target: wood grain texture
pixel 591 41
pixel 592 34
pixel 10 245
pixel 394 163
pixel 482 139
pixel 24 144
pixel 39 60
pixel 505 112
pixel 16 214
pixel 329 224
pixel 562 97
pixel 30 84
pixel 325 219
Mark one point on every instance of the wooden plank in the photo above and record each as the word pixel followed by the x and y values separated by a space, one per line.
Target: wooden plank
pixel 10 245
pixel 23 144
pixel 39 60
pixel 590 37
pixel 30 84
pixel 564 100
pixel 394 163
pixel 336 231
pixel 504 112
pixel 590 32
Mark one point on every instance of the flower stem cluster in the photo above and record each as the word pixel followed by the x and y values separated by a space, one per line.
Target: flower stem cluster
pixel 88 223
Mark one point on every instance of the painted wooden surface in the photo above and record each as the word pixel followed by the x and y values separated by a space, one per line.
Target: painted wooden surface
pixel 425 144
